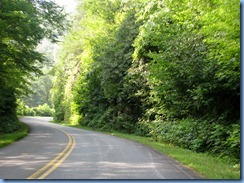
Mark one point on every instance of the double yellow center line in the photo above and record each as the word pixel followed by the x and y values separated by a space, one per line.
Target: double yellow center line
pixel 52 165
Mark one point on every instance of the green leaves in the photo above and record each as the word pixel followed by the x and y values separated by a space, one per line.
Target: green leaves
pixel 191 55
pixel 169 69
pixel 186 57
pixel 23 25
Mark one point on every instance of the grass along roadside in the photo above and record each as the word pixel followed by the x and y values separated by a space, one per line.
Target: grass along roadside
pixel 9 138
pixel 210 167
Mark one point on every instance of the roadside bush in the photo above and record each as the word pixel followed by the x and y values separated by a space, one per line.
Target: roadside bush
pixel 8 118
pixel 24 110
pixel 8 124
pixel 43 110
pixel 200 136
pixel 29 111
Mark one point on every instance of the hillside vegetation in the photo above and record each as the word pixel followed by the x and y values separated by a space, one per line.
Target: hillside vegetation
pixel 165 69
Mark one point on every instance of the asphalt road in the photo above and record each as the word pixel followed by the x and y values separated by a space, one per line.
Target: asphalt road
pixel 52 151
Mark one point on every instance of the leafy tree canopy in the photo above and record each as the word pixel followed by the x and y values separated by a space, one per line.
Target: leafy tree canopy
pixel 24 24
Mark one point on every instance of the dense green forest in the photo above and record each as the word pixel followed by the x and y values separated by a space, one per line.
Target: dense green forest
pixel 24 24
pixel 168 70
pixel 38 101
pixel 165 69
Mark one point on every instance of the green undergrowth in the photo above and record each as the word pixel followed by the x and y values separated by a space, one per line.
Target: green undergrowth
pixel 9 138
pixel 209 166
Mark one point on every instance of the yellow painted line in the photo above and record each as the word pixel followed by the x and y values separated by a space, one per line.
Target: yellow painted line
pixel 72 145
pixel 57 161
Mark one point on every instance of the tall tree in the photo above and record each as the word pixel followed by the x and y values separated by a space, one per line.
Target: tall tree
pixel 23 25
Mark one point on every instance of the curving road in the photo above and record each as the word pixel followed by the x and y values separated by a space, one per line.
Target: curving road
pixel 52 151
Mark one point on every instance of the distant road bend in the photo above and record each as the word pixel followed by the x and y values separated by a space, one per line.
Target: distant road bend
pixel 52 151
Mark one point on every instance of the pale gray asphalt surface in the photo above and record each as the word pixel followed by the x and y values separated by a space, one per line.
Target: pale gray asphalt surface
pixel 95 156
